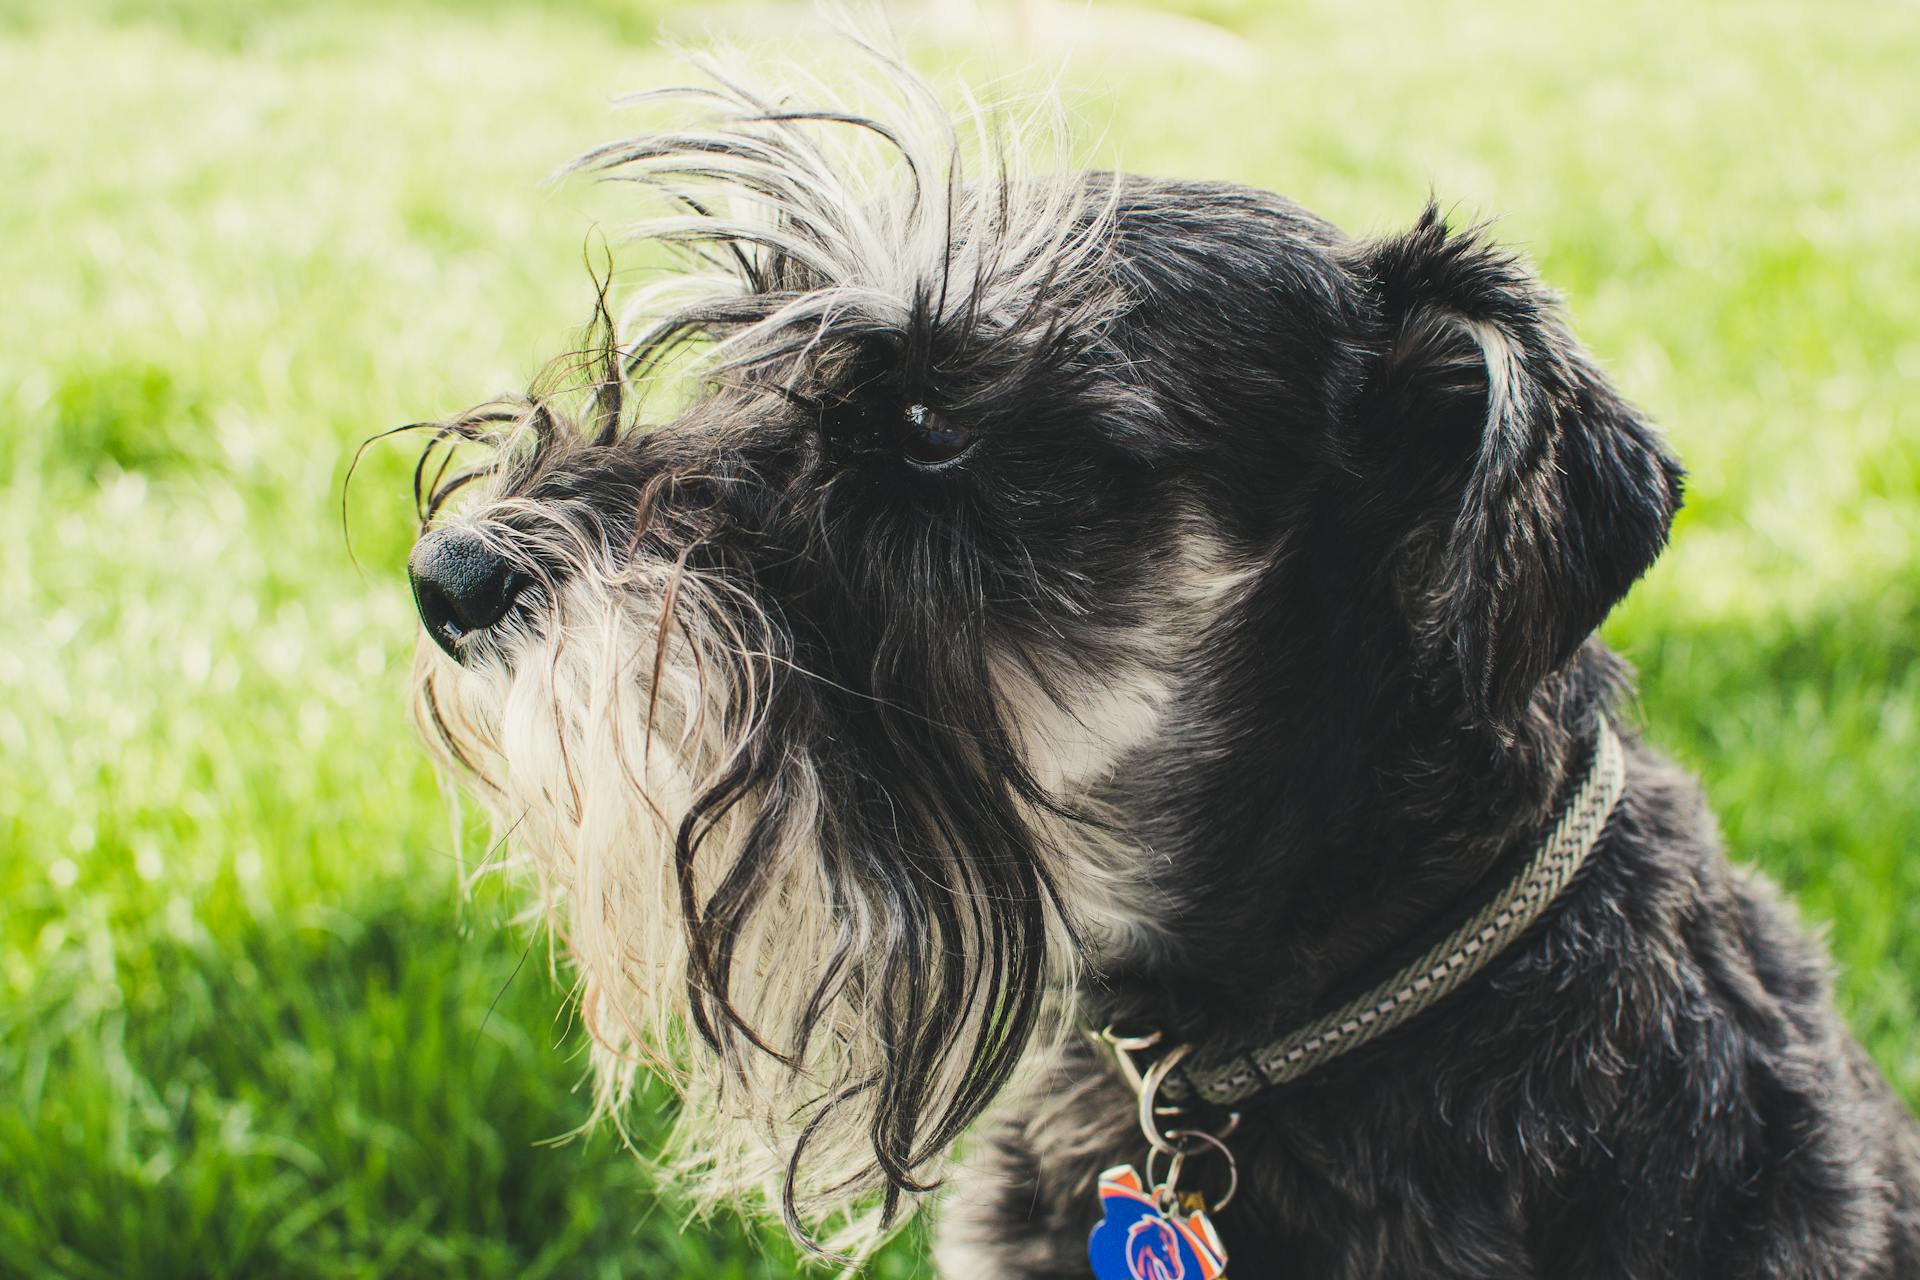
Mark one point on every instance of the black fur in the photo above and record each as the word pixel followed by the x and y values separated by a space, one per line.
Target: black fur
pixel 1441 497
pixel 1653 1082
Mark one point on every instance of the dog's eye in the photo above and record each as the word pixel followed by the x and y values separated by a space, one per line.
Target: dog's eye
pixel 929 440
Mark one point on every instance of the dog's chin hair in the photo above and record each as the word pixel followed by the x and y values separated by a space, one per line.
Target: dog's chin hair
pixel 591 748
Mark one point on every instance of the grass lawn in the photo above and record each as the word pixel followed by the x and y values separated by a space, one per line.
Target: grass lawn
pixel 250 1024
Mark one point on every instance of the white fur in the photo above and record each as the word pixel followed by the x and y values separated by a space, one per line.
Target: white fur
pixel 924 206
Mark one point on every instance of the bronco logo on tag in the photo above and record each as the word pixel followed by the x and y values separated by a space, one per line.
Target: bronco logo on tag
pixel 1137 1240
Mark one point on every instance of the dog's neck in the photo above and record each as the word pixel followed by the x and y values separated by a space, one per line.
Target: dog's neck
pixel 1321 860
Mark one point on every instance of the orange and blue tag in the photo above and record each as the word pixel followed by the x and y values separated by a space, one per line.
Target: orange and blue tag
pixel 1138 1240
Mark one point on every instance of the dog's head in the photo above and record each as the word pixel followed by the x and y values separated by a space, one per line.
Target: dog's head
pixel 826 701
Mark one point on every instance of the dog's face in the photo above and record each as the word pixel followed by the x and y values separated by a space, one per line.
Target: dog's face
pixel 846 708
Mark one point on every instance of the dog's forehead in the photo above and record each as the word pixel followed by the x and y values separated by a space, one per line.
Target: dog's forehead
pixel 1186 269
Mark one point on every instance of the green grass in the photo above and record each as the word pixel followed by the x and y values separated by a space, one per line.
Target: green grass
pixel 250 1024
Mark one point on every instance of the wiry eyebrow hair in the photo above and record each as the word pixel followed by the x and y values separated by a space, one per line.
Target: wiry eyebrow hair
pixel 812 217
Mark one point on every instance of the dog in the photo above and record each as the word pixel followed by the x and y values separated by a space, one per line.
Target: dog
pixel 1080 690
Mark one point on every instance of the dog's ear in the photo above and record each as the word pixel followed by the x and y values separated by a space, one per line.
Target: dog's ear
pixel 1545 494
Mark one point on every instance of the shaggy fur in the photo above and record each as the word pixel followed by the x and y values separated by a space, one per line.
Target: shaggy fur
pixel 1072 599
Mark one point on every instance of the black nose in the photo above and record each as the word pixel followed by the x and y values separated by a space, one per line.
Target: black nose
pixel 461 585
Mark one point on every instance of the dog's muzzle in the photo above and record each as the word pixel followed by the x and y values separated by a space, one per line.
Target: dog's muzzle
pixel 461 586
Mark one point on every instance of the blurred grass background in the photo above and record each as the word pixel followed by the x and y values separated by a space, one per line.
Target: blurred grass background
pixel 249 1025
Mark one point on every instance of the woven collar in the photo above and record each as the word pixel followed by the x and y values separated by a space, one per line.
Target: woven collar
pixel 1226 1079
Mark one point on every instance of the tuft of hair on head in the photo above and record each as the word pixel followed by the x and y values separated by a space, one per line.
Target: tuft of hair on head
pixel 814 211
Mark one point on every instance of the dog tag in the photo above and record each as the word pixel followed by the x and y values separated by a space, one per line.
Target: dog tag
pixel 1138 1240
